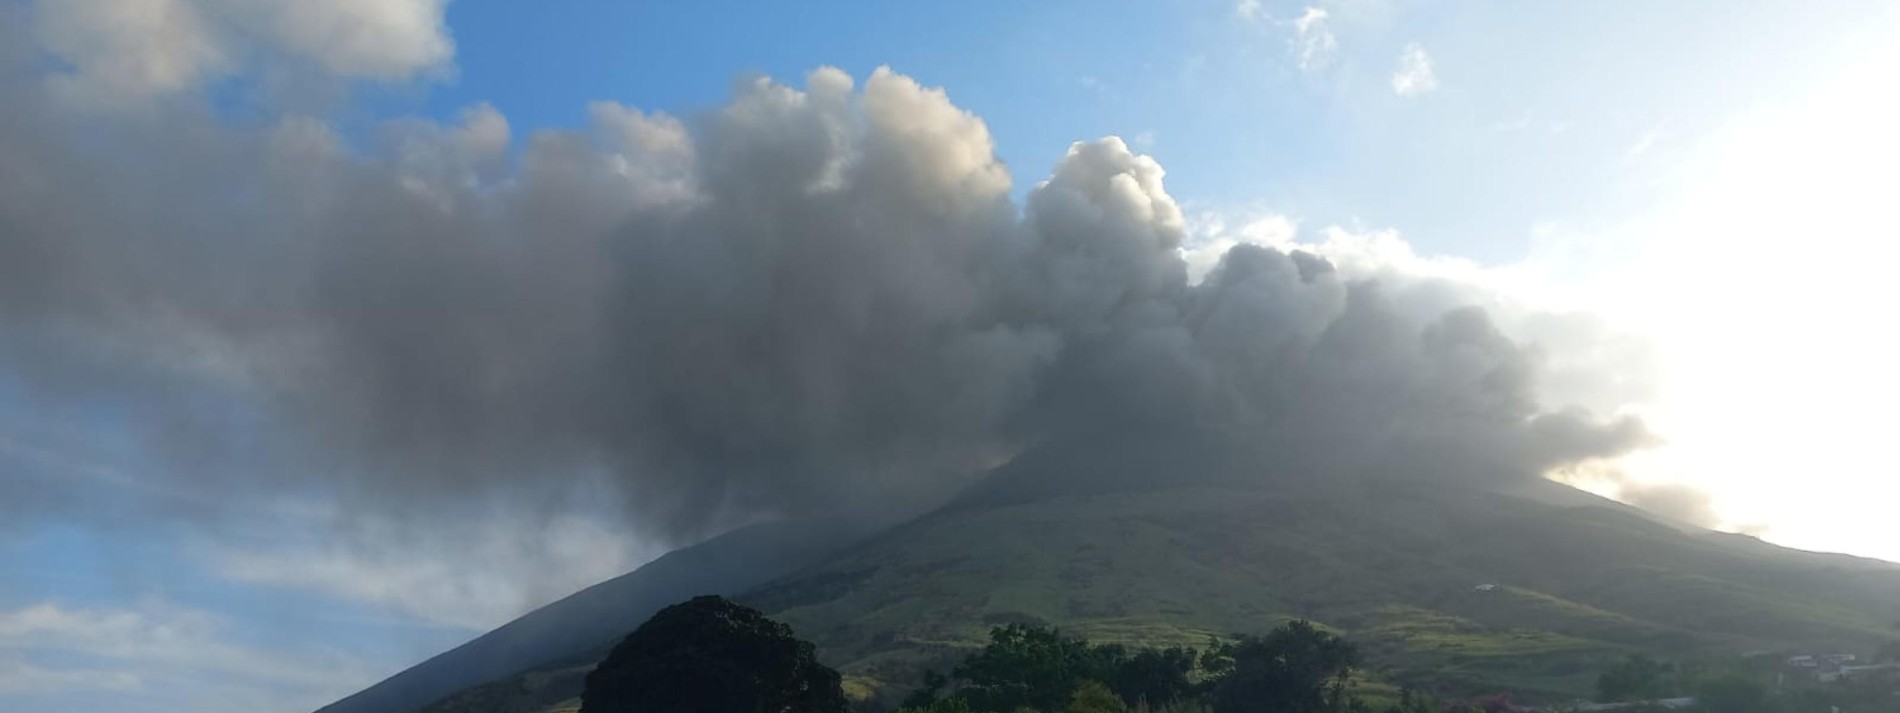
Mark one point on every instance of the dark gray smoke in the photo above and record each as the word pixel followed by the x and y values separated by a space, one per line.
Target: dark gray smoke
pixel 800 300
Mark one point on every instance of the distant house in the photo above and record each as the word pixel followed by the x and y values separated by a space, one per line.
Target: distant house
pixel 1827 662
pixel 1852 671
pixel 1828 668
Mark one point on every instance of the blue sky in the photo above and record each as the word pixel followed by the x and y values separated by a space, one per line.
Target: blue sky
pixel 1543 147
pixel 1550 97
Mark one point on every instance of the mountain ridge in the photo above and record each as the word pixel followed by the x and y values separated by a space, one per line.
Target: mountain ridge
pixel 596 617
pixel 1528 586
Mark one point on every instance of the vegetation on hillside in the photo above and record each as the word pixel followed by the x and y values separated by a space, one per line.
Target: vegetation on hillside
pixel 1754 684
pixel 709 655
pixel 1456 594
pixel 1296 668
pixel 1302 668
pixel 1403 573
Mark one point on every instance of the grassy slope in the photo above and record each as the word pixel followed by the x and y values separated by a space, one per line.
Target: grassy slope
pixel 1395 569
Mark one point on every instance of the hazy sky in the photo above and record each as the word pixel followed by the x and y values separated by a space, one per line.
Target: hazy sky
pixel 1676 211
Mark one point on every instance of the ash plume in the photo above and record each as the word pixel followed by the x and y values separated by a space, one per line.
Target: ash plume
pixel 806 299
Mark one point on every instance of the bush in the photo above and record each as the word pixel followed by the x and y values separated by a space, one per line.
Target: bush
pixel 709 655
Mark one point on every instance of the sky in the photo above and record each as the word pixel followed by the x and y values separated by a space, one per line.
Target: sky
pixel 1678 213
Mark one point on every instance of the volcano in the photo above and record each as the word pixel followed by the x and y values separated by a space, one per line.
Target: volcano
pixel 1530 587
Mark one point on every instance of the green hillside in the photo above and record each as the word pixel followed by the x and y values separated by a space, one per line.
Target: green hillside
pixel 1398 570
pixel 1451 589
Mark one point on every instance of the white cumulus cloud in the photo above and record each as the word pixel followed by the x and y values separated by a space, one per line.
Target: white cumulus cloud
pixel 137 47
pixel 1313 44
pixel 375 39
pixel 1414 74
pixel 116 52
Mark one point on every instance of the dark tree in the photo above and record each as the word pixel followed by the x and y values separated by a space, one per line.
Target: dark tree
pixel 1296 668
pixel 1156 677
pixel 1031 666
pixel 1040 668
pixel 709 655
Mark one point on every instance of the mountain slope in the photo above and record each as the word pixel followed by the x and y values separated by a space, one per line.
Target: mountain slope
pixel 1455 587
pixel 588 622
pixel 1399 569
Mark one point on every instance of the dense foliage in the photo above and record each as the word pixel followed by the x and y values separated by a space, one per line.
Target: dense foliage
pixel 1755 684
pixel 709 655
pixel 1039 668
pixel 1297 668
pixel 1301 668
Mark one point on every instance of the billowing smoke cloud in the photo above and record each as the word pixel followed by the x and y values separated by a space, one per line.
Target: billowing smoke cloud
pixel 1674 501
pixel 802 300
pixel 122 53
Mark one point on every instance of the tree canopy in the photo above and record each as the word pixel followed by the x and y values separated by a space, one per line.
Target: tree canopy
pixel 709 655
pixel 1297 668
